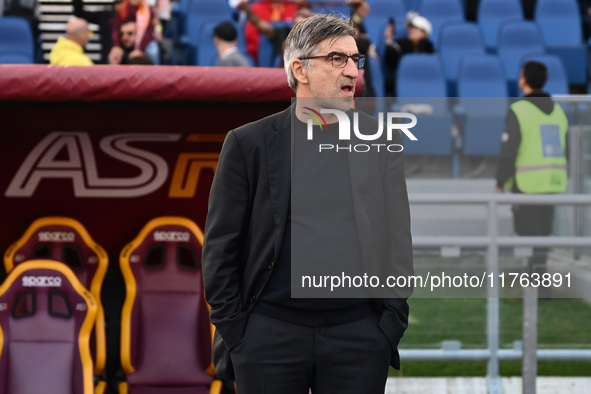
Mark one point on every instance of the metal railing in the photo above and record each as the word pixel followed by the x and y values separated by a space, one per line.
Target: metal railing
pixel 493 242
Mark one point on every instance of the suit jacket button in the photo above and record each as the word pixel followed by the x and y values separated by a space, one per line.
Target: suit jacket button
pixel 271 266
pixel 253 298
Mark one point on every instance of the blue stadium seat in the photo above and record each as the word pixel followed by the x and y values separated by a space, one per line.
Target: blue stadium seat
pixel 421 89
pixel 199 12
pixel 330 7
pixel 413 5
pixel 377 77
pixel 557 82
pixel 266 58
pixel 17 45
pixel 379 16
pixel 439 12
pixel 458 39
pixel 482 104
pixel 492 13
pixel 421 75
pixel 207 54
pixel 481 76
pixel 560 22
pixel 516 39
pixel 179 20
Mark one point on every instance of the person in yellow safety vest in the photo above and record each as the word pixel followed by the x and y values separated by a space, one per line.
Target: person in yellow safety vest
pixel 533 158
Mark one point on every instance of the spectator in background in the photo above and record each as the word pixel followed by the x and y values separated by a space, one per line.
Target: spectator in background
pixel 163 16
pixel 141 60
pixel 471 10
pixel 275 34
pixel 225 38
pixel 145 19
pixel 529 7
pixel 127 38
pixel 270 11
pixel 417 41
pixel 359 11
pixel 69 50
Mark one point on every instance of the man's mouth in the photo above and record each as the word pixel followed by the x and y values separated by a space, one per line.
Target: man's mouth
pixel 347 88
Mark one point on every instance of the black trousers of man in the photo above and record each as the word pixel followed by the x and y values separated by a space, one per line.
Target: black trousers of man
pixel 279 357
pixel 535 220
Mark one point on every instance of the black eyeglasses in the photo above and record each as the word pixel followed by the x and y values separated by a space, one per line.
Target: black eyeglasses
pixel 339 59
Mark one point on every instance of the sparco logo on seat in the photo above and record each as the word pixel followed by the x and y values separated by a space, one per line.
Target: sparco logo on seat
pixel 56 236
pixel 171 236
pixel 42 281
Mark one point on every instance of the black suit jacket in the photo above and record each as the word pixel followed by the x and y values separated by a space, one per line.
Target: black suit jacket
pixel 247 215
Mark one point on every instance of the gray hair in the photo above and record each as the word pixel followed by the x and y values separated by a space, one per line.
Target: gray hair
pixel 307 34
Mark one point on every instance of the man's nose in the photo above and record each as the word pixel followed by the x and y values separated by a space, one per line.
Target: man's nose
pixel 350 69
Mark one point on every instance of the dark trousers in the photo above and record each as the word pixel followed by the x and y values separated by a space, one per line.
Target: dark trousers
pixel 278 357
pixel 534 220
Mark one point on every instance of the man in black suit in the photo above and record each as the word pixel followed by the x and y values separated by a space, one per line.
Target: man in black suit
pixel 276 201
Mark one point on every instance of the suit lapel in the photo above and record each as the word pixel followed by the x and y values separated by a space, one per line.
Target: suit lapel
pixel 279 159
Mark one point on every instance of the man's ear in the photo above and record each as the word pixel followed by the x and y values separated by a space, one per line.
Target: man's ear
pixel 299 72
pixel 521 82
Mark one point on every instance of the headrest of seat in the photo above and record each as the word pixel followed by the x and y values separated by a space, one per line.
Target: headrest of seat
pixel 166 247
pixel 26 282
pixel 59 238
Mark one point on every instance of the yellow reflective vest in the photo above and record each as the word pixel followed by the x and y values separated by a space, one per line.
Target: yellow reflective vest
pixel 540 166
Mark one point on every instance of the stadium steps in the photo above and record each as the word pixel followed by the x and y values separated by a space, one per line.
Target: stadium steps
pixel 52 24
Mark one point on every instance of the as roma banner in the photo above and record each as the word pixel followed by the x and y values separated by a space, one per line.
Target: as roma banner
pixel 114 147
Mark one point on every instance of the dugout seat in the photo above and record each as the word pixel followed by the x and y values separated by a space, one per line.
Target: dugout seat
pixel 67 240
pixel 166 336
pixel 46 319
